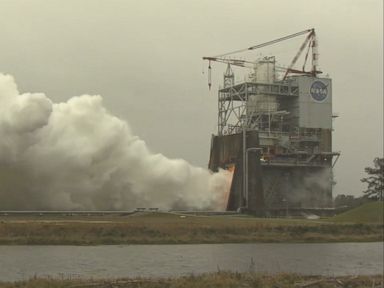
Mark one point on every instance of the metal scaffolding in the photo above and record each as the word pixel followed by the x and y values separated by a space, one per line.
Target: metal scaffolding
pixel 233 114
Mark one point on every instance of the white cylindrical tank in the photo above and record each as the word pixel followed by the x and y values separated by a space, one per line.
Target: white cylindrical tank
pixel 264 73
pixel 265 70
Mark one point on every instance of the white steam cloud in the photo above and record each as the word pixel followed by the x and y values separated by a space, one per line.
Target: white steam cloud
pixel 77 156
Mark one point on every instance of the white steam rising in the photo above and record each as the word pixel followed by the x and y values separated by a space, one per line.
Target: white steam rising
pixel 75 155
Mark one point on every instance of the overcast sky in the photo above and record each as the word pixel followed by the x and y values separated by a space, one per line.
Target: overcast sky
pixel 144 58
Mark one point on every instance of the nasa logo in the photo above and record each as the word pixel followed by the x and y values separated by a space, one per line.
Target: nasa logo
pixel 319 91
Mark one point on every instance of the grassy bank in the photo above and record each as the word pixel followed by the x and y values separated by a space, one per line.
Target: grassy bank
pixel 219 279
pixel 367 213
pixel 165 228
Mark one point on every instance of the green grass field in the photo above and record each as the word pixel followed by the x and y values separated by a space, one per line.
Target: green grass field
pixel 367 213
pixel 168 228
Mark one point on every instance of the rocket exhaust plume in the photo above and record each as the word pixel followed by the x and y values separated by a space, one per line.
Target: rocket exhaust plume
pixel 77 156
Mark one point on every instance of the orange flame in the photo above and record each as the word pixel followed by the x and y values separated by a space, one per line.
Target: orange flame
pixel 225 197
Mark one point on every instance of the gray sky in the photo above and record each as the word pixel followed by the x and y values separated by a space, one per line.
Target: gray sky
pixel 144 58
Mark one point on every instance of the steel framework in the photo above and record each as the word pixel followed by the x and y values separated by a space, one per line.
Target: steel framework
pixel 233 115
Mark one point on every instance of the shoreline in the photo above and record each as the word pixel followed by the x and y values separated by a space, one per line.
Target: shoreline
pixel 216 279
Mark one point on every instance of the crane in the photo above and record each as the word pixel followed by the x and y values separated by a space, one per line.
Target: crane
pixel 309 42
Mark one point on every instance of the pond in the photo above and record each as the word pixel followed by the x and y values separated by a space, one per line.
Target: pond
pixel 22 262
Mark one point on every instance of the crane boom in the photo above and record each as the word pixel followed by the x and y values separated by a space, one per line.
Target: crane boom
pixel 266 43
pixel 310 36
pixel 235 62
pixel 243 63
pixel 281 39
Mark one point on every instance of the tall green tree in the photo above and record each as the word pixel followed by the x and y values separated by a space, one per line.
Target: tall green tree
pixel 375 180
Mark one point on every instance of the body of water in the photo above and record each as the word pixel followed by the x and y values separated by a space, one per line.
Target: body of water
pixel 22 262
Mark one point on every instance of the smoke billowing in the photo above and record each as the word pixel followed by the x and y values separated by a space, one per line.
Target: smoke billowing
pixel 76 156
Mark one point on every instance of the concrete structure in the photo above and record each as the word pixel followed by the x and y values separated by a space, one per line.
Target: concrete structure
pixel 277 137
